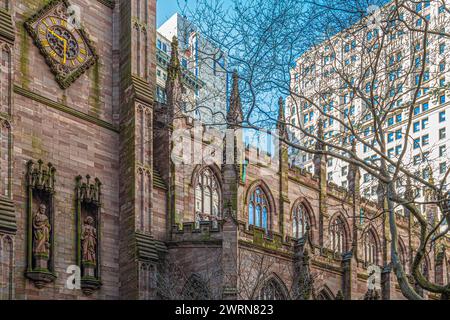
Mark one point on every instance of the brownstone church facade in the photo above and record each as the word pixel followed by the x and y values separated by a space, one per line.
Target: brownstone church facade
pixel 92 205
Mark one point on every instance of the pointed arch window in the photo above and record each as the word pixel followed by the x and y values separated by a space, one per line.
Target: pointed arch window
pixel 300 221
pixel 337 235
pixel 324 295
pixel 207 197
pixel 272 290
pixel 258 209
pixel 370 248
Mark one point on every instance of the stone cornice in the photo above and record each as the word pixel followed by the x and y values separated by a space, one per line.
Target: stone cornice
pixel 61 107
pixel 257 247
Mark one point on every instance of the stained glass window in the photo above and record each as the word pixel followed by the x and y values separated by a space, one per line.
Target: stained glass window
pixel 272 290
pixel 370 248
pixel 299 221
pixel 337 235
pixel 258 210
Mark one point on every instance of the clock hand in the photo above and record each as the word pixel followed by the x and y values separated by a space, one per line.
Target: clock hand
pixel 64 42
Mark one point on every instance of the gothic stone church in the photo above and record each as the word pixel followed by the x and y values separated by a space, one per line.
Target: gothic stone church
pixel 88 188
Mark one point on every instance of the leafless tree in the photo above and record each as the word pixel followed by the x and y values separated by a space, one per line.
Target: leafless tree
pixel 383 76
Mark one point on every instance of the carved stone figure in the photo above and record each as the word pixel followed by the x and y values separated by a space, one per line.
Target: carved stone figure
pixel 89 241
pixel 41 232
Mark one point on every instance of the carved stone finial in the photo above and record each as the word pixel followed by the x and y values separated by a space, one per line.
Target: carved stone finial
pixel 339 295
pixel 174 67
pixel 372 294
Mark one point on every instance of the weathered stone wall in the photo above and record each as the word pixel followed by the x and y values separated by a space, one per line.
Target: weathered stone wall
pixel 73 129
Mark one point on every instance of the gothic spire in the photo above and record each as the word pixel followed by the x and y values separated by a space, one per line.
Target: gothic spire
pixel 235 115
pixel 429 192
pixel 319 158
pixel 281 125
pixel 174 68
pixel 353 175
pixel 409 192
pixel 174 86
pixel 320 135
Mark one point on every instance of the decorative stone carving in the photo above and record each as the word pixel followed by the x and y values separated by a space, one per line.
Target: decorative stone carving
pixel 88 209
pixel 41 237
pixel 372 294
pixel 40 212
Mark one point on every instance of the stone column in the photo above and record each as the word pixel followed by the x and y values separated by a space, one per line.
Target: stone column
pixel 283 158
pixel 137 40
pixel 320 172
pixel 349 278
pixel 231 186
pixel 387 283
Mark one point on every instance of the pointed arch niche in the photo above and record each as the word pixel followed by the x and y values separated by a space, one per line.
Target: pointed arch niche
pixel 208 196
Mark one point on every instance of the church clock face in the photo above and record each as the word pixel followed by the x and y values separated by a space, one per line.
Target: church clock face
pixel 66 48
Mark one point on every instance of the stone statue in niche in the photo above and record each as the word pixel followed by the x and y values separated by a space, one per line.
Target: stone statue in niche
pixel 89 240
pixel 41 237
pixel 89 245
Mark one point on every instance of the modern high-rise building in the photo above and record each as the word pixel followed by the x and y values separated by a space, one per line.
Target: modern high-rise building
pixel 204 68
pixel 378 65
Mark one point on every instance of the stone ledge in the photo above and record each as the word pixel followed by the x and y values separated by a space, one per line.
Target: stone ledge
pixel 149 248
pixel 61 107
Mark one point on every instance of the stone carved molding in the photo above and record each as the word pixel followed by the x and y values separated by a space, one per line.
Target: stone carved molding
pixel 41 217
pixel 88 222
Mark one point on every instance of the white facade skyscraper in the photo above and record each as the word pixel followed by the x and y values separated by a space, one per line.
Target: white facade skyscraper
pixel 337 79
pixel 204 70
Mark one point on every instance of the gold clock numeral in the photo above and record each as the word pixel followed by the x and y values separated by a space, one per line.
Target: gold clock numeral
pixel 45 43
pixel 42 31
pixel 64 23
pixel 45 23
pixel 53 54
pixel 73 62
pixel 54 21
pixel 80 59
pixel 82 51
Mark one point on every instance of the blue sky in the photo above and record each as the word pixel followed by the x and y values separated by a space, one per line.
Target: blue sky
pixel 166 8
